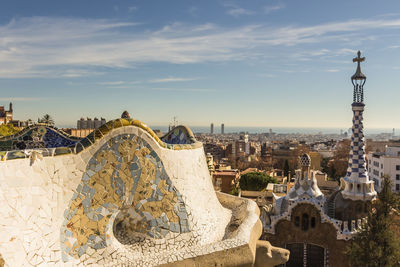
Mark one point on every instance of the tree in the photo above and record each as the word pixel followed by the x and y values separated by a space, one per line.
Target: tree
pixel 337 167
pixel 7 129
pixel 46 119
pixel 377 243
pixel 255 181
pixel 286 168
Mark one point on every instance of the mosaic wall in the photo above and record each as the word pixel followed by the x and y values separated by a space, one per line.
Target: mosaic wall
pixel 179 135
pixel 124 176
pixel 38 136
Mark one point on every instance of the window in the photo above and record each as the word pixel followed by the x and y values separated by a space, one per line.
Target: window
pixel 397 177
pixel 304 222
pixel 397 167
pixel 312 222
pixel 381 166
pixel 397 187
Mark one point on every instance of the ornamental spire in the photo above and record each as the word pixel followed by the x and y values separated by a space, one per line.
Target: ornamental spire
pixel 357 185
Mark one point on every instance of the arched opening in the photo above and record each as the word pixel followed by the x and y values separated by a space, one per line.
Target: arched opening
pixel 304 222
pixel 301 253
pixel 312 222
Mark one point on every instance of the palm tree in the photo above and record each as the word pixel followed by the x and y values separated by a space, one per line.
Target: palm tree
pixel 47 119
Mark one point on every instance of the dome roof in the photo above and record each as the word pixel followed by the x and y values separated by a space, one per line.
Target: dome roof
pixel 125 115
pixel 305 160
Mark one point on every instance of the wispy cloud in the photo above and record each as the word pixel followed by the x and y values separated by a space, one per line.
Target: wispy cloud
pixel 69 47
pixel 271 8
pixel 112 83
pixel 237 11
pixel 193 11
pixel 20 99
pixel 172 79
pixel 183 89
pixel 332 70
pixel 132 9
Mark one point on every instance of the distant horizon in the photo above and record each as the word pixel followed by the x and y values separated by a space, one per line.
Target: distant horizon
pixel 279 130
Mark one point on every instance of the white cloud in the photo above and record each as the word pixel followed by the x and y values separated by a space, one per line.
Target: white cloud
pixel 269 9
pixel 172 79
pixel 70 47
pixel 183 89
pixel 20 99
pixel 132 9
pixel 112 83
pixel 237 11
pixel 332 70
pixel 193 11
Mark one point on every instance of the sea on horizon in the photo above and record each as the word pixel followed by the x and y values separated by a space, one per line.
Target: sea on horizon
pixel 278 130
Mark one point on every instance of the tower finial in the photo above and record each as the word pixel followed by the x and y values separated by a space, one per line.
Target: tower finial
pixel 358 80
pixel 358 75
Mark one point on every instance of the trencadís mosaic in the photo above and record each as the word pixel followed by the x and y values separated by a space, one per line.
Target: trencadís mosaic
pixel 38 136
pixel 179 135
pixel 124 178
pixel 49 141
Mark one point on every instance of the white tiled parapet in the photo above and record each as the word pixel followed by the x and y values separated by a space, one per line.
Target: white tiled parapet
pixel 123 200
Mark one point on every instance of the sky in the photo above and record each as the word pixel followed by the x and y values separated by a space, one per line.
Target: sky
pixel 259 63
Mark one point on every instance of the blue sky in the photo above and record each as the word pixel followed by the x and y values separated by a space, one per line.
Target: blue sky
pixel 259 63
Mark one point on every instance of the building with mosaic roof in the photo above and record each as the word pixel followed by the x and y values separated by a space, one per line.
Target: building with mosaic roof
pixel 315 229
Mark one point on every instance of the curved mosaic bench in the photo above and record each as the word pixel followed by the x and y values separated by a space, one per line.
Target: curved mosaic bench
pixel 179 135
pixel 37 136
pixel 120 196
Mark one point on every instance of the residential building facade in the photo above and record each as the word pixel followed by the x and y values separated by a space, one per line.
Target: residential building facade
pixel 385 163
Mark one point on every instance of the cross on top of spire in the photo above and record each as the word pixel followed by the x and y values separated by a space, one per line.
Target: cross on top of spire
pixel 358 58
pixel 358 75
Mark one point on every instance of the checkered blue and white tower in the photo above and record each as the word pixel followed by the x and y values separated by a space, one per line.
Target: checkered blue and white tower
pixel 357 185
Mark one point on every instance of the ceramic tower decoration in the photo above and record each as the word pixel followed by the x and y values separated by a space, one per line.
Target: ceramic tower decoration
pixel 357 185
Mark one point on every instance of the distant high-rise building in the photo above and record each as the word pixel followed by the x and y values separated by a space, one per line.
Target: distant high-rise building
pixel 89 123
pixel 222 128
pixel 212 128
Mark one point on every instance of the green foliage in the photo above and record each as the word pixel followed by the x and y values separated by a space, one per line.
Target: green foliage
pixel 377 243
pixel 7 129
pixel 255 181
pixel 46 119
pixel 235 191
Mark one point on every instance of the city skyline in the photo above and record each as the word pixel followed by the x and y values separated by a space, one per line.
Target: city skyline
pixel 245 64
